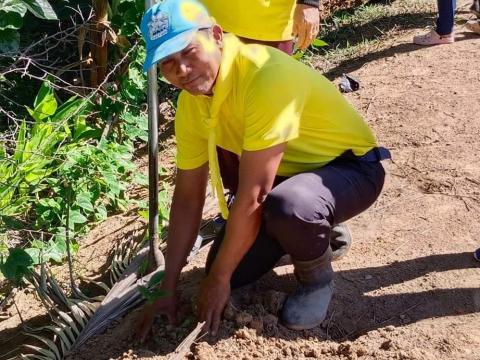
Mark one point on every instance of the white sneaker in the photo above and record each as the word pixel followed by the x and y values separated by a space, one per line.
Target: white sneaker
pixel 433 38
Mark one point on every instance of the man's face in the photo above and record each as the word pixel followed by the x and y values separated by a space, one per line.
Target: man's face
pixel 195 68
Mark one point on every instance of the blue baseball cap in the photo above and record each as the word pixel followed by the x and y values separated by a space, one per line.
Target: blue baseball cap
pixel 169 27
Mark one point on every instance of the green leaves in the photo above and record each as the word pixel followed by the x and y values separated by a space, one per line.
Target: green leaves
pixel 17 265
pixel 299 54
pixel 76 217
pixel 73 107
pixel 319 43
pixel 128 15
pixel 136 126
pixel 151 292
pixel 16 6
pixel 41 9
pixel 54 161
pixel 83 201
pixel 9 41
pixel 45 103
pixel 11 20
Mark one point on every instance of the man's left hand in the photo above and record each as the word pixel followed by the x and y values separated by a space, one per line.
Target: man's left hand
pixel 306 24
pixel 213 297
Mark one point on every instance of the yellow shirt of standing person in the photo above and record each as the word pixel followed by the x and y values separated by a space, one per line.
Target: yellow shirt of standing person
pixel 266 20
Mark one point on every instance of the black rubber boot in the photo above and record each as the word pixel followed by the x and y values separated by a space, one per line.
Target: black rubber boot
pixel 308 305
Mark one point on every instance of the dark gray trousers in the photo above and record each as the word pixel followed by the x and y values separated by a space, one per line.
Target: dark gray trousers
pixel 300 211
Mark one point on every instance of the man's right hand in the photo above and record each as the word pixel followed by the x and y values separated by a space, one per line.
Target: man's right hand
pixel 184 222
pixel 164 306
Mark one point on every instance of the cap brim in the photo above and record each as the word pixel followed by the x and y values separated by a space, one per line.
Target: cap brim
pixel 169 47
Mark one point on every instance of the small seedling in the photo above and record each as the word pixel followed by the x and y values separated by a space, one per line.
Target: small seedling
pixel 151 292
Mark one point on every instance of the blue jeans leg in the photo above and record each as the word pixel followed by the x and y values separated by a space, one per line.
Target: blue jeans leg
pixel 446 14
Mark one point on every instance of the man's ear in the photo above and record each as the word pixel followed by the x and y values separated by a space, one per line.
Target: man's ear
pixel 217 33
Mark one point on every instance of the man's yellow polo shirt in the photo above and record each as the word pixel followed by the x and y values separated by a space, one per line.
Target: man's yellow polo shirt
pixel 267 20
pixel 263 97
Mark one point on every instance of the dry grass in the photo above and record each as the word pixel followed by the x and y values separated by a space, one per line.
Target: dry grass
pixel 369 28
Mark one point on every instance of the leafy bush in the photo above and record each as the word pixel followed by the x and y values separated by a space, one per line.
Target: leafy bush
pixel 61 165
pixel 12 13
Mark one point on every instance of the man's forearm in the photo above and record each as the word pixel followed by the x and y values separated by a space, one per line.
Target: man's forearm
pixel 185 219
pixel 242 229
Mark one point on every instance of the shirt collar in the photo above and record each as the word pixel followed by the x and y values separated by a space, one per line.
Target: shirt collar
pixel 224 82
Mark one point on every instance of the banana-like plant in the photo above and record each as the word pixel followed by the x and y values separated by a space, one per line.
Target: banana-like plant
pixel 75 320
pixel 69 317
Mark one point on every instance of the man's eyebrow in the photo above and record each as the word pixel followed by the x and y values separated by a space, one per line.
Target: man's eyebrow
pixel 190 46
pixel 168 58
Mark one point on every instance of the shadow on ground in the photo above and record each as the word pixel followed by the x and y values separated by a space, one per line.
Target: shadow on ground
pixel 11 340
pixel 352 65
pixel 354 310
pixel 357 310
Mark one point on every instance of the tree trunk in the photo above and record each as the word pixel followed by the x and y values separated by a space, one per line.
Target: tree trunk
pixel 99 36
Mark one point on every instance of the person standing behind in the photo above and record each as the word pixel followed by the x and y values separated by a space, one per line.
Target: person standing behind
pixel 443 33
pixel 274 23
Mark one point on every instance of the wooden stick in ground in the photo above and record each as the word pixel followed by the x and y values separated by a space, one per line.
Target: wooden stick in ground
pixel 184 347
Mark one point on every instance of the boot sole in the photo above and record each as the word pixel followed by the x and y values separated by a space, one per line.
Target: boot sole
pixel 341 252
pixel 298 328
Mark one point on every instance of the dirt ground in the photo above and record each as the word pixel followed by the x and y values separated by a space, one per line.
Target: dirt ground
pixel 409 288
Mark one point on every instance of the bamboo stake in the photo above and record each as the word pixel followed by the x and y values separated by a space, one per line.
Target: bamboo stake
pixel 185 345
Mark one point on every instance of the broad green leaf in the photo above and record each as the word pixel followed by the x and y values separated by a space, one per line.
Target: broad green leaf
pixel 44 91
pixel 144 214
pixel 54 204
pixel 137 77
pixel 9 41
pixel 83 201
pixel 319 43
pixel 76 217
pixel 298 55
pixel 17 265
pixel 18 154
pixel 41 9
pixel 156 279
pixel 82 131
pixel 72 107
pixel 41 144
pixel 16 6
pixel 34 176
pixel 101 212
pixel 45 104
pixel 140 179
pixel 55 250
pixel 10 20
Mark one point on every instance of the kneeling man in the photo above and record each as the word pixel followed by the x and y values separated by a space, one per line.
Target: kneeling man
pixel 306 161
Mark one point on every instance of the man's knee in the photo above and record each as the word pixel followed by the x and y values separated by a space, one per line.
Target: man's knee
pixel 292 207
